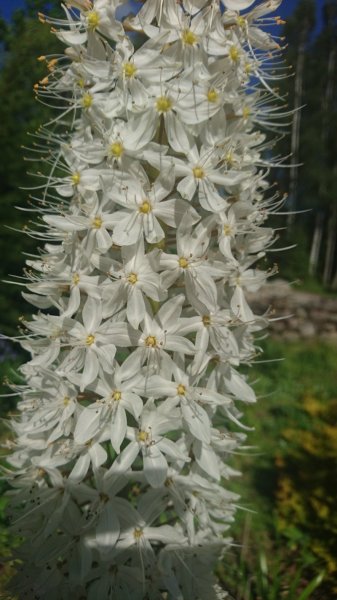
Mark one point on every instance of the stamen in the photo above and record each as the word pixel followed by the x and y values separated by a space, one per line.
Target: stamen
pixel 183 262
pixel 138 533
pixel 163 104
pixel 143 436
pixel 198 172
pixel 76 178
pixel 97 223
pixel 145 207
pixel 132 278
pixel 87 100
pixel 93 19
pixel 116 149
pixel 129 69
pixel 212 95
pixel 189 38
pixel 151 341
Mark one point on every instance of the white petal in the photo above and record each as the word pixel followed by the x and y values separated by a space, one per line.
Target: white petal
pixel 237 4
pixel 118 428
pixel 155 466
pixel 108 529
pixel 88 424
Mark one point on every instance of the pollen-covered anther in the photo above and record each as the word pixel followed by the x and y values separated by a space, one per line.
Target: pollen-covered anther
pixel 183 262
pixel 51 64
pixel 132 278
pixel 116 395
pixel 229 158
pixel 116 149
pixel 93 19
pixel 44 81
pixel 189 38
pixel 97 223
pixel 163 104
pixel 142 436
pixel 198 172
pixel 181 389
pixel 145 207
pixel 246 112
pixel 87 100
pixel 227 230
pixel 212 95
pixel 138 533
pixel 66 400
pixel 90 339
pixel 129 69
pixel 241 21
pixel 206 319
pixel 151 341
pixel 75 178
pixel 76 278
pixel 234 53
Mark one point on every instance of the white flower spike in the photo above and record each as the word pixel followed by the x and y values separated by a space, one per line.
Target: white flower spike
pixel 153 219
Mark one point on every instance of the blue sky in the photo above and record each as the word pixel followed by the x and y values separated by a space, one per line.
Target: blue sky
pixel 287 7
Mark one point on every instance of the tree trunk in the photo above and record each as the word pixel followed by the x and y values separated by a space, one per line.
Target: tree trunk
pixel 296 124
pixel 330 246
pixel 316 244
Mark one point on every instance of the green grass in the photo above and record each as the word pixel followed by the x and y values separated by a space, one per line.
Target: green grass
pixel 278 554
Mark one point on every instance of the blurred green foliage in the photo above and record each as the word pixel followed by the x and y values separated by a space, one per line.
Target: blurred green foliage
pixel 24 39
pixel 289 479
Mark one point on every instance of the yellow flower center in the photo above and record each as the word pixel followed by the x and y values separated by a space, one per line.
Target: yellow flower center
pixel 198 172
pixel 229 158
pixel 241 21
pixel 129 69
pixel 227 230
pixel 189 38
pixel 76 278
pixel 75 178
pixel 145 207
pixel 66 400
pixel 90 339
pixel 206 319
pixel 143 436
pixel 116 395
pixel 246 112
pixel 151 341
pixel 132 278
pixel 163 104
pixel 212 95
pixel 138 533
pixel 183 262
pixel 87 100
pixel 116 149
pixel 97 223
pixel 93 19
pixel 181 389
pixel 234 53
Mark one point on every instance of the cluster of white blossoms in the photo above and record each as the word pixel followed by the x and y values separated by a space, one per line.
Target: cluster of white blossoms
pixel 153 217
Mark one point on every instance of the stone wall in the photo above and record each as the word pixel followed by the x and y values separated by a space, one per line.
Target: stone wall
pixel 308 315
